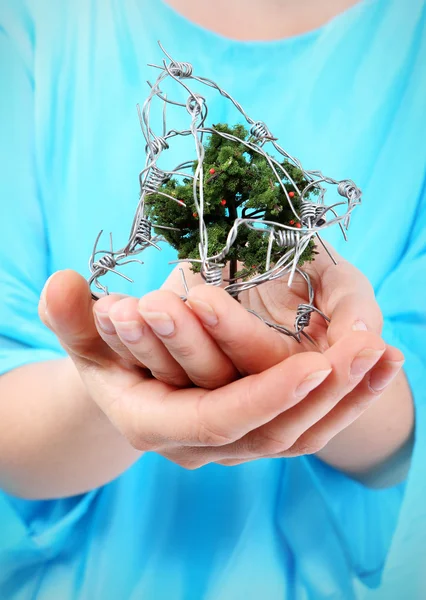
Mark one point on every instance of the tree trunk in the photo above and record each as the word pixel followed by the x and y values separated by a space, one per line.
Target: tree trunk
pixel 233 266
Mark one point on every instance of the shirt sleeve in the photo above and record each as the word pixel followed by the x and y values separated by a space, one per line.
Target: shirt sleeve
pixel 30 531
pixel 381 533
pixel 402 299
pixel 24 254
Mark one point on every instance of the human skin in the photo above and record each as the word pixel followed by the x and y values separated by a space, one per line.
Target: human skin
pixel 260 19
pixel 74 424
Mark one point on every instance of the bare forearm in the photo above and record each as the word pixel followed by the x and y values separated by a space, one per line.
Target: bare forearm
pixel 376 448
pixel 54 440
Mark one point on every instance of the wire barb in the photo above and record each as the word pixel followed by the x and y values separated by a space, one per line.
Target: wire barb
pixel 309 219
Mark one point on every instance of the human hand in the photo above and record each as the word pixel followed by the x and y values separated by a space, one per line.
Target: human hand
pixel 185 425
pixel 239 342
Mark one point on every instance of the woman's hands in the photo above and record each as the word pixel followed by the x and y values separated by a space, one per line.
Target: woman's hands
pixel 293 399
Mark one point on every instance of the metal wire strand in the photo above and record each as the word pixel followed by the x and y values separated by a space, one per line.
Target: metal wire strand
pixel 154 180
pixel 311 217
pixel 349 190
pixel 308 211
pixel 286 238
pixel 260 131
pixel 212 274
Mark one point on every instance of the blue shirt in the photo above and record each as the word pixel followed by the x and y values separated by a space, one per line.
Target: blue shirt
pixel 348 98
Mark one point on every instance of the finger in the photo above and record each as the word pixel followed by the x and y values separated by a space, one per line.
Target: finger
pixel 346 296
pixel 350 358
pixel 251 345
pixel 143 345
pixel 187 341
pixel 231 462
pixel 154 416
pixel 356 311
pixel 106 327
pixel 388 367
pixel 66 308
pixel 353 405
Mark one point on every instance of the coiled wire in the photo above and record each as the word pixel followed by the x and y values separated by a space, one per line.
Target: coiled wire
pixel 104 264
pixel 303 316
pixel 320 215
pixel 260 131
pixel 293 242
pixel 181 69
pixel 157 145
pixel 212 275
pixel 155 180
pixel 286 238
pixel 307 213
pixel 143 231
pixel 348 189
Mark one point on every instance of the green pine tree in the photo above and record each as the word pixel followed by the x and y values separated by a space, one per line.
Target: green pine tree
pixel 238 182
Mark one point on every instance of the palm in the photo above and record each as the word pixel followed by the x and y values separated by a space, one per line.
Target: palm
pixel 224 417
pixel 276 302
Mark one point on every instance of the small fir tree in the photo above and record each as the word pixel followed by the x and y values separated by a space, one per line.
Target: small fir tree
pixel 238 182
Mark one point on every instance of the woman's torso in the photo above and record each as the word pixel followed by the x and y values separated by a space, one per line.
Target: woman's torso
pixel 343 99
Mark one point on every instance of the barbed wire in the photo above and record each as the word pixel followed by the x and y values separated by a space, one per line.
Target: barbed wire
pixel 312 216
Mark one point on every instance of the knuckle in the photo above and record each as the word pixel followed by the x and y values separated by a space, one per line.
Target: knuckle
pixel 185 351
pixel 361 402
pixel 228 462
pixel 208 383
pixel 119 412
pixel 207 437
pixel 263 443
pixel 234 344
pixel 176 379
pixel 190 465
pixel 140 442
pixel 305 446
pixel 206 434
pixel 213 381
pixel 248 398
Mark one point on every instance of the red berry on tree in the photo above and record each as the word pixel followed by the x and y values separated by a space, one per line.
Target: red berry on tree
pixel 195 215
pixel 223 202
pixel 291 222
pixel 212 171
pixel 298 225
pixel 291 194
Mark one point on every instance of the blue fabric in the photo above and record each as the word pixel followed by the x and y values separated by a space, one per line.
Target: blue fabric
pixel 348 98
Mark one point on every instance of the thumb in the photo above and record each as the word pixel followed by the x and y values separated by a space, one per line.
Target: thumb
pixel 66 307
pixel 354 312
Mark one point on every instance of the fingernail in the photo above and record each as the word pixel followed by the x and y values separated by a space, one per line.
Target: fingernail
pixel 359 326
pixel 160 323
pixel 43 299
pixel 129 331
pixel 382 375
pixel 204 311
pixel 104 323
pixel 364 361
pixel 311 382
pixel 43 295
